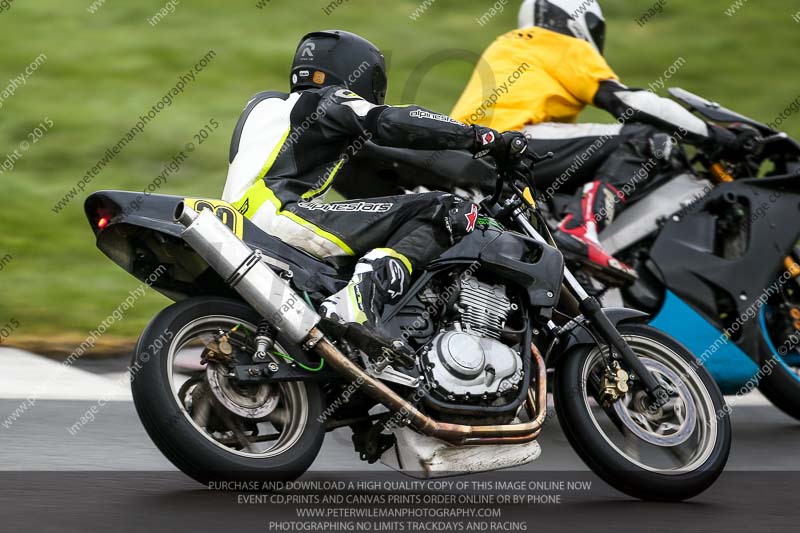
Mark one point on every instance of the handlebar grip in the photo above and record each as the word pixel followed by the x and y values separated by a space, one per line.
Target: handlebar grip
pixel 518 145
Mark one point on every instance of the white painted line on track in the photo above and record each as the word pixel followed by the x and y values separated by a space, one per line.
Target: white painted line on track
pixel 24 375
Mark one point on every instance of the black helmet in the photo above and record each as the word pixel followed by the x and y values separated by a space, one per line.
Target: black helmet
pixel 337 57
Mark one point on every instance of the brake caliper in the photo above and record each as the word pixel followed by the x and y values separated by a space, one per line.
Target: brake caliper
pixel 614 384
pixel 219 350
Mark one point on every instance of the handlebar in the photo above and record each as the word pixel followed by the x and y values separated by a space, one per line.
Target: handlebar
pixel 518 169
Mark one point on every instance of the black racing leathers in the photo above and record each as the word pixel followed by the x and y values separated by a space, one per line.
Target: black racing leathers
pixel 418 226
pixel 328 125
pixel 322 129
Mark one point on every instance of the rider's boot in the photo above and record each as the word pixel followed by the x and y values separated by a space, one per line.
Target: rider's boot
pixel 381 277
pixel 578 234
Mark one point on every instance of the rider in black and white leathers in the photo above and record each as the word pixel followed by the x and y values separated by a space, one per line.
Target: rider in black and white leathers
pixel 311 133
pixel 290 148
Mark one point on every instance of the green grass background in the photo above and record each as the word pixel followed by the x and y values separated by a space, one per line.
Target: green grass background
pixel 105 69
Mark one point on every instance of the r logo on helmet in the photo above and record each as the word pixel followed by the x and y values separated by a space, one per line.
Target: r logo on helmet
pixel 308 50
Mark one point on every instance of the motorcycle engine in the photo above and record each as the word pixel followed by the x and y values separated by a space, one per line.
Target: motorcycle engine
pixel 467 361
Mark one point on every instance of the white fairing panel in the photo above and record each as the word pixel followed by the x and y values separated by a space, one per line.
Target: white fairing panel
pixel 641 219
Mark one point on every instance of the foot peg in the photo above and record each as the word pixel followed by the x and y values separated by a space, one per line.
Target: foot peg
pixel 378 347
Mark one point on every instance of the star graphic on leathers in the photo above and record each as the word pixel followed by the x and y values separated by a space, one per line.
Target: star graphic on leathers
pixel 472 217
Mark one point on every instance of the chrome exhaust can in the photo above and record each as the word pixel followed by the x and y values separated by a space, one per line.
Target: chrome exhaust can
pixel 242 269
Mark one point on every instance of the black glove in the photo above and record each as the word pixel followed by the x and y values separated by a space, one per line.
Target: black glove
pixel 722 137
pixel 503 147
pixel 724 144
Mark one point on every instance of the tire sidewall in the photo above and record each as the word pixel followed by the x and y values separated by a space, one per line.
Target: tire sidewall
pixel 778 384
pixel 177 437
pixel 604 460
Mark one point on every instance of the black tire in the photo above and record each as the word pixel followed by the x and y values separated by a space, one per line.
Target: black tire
pixel 177 437
pixel 775 379
pixel 608 462
pixel 780 386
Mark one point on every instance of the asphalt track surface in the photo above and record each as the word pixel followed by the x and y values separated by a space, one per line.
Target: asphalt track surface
pixel 110 477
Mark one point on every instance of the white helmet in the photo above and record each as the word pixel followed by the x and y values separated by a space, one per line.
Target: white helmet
pixel 577 18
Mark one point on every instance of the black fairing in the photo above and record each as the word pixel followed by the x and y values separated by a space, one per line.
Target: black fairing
pixel 714 111
pixel 688 255
pixel 577 335
pixel 536 267
pixel 142 235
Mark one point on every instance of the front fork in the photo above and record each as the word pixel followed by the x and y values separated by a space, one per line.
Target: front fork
pixel 591 309
pixel 593 312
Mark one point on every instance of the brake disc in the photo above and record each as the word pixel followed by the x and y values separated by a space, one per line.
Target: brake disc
pixel 667 426
pixel 253 402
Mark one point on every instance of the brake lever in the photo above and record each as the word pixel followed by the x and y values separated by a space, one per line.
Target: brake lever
pixel 489 203
pixel 503 175
pixel 536 158
pixel 766 141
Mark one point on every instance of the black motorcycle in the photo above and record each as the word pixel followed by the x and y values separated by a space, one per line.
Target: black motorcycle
pixel 240 379
pixel 715 248
pixel 713 244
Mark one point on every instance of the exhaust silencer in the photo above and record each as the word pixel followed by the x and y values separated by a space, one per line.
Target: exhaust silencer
pixel 242 269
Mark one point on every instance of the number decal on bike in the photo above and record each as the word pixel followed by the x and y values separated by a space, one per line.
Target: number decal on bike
pixel 223 210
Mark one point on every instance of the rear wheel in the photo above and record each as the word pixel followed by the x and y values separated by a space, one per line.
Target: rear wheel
pixel 208 425
pixel 673 453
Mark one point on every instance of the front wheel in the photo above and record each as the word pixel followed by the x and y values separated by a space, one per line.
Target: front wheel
pixel 672 453
pixel 210 426
pixel 779 372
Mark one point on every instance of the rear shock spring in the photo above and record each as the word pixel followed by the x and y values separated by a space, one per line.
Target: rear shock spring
pixel 265 340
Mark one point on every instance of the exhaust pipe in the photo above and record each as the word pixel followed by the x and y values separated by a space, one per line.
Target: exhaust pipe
pixel 458 434
pixel 243 270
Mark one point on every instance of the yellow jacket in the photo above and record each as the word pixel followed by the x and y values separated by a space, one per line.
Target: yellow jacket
pixel 531 76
